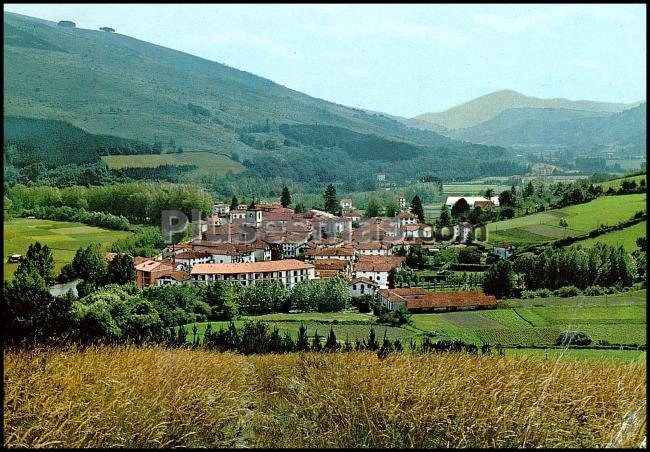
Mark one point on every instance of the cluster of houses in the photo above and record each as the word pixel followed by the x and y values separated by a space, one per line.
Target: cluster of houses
pixel 268 242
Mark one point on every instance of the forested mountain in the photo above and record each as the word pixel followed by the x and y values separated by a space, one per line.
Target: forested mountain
pixel 489 106
pixel 578 129
pixel 111 85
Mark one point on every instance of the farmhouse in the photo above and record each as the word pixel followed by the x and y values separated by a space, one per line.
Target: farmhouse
pixel 417 231
pixel 353 215
pixel 418 299
pixel 407 218
pixel 377 268
pixel 185 260
pixel 462 231
pixel 221 209
pixel 345 253
pixel 147 271
pixel 173 277
pixel 346 203
pixel 326 268
pixel 289 272
pixel 372 249
pixel 503 250
pixel 362 286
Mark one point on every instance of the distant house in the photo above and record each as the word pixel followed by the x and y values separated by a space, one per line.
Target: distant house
pixel 462 231
pixel 372 249
pixel 220 208
pixel 14 258
pixel 327 268
pixel 172 278
pixel 108 29
pixel 346 203
pixel 353 215
pixel 187 259
pixel 362 286
pixel 503 250
pixel 288 272
pixel 344 253
pixel 401 202
pixel 417 299
pixel 407 218
pixel 417 231
pixel 147 271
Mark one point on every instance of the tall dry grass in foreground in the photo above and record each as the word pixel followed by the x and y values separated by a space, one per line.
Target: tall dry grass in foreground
pixel 153 397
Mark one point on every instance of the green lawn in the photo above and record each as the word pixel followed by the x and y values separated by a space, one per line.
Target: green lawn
pixel 616 183
pixel 64 238
pixel 207 162
pixel 582 218
pixel 614 356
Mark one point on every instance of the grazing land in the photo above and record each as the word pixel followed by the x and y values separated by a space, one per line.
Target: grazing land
pixel 64 238
pixel 158 397
pixel 625 237
pixel 207 163
pixel 616 183
pixel 581 218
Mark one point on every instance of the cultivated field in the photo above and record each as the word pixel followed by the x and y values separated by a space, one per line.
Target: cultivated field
pixel 207 162
pixel 157 397
pixel 581 218
pixel 64 238
pixel 611 319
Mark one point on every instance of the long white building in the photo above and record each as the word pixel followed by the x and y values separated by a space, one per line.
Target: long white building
pixel 289 272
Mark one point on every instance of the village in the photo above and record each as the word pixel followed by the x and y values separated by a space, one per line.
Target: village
pixel 269 242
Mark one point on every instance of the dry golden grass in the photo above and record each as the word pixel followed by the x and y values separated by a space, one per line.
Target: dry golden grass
pixel 154 397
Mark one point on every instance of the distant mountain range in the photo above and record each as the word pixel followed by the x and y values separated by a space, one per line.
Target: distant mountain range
pixel 487 107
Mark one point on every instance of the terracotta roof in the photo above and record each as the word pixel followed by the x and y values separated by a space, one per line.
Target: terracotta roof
pixel 151 265
pixel 327 273
pixel 483 204
pixel 332 251
pixel 191 254
pixel 250 267
pixel 411 227
pixel 353 213
pixel 370 246
pixel 407 214
pixel 330 264
pixel 176 275
pixel 416 298
pixel 358 280
pixel 378 263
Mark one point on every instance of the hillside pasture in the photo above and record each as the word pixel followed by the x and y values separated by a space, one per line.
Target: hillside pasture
pixel 581 218
pixel 616 183
pixel 625 237
pixel 64 238
pixel 207 163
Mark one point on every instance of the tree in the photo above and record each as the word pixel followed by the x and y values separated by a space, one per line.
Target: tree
pixel 445 216
pixel 300 207
pixel 285 199
pixel 469 255
pixel 316 342
pixel 416 257
pixel 331 344
pixel 641 243
pixel 372 343
pixel 374 208
pixel 505 199
pixel 222 299
pixel 391 209
pixel 460 207
pixel 234 202
pixel 331 202
pixel 120 270
pixel 489 193
pixel 89 264
pixel 529 190
pixel 40 258
pixel 416 208
pixel 302 344
pixel 499 279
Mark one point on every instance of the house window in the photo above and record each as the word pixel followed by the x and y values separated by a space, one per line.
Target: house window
pixel 354 287
pixel 363 288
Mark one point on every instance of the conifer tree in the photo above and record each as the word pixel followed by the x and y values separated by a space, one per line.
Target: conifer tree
pixel 416 208
pixel 329 197
pixel 234 202
pixel 331 344
pixel 303 343
pixel 285 199
pixel 316 342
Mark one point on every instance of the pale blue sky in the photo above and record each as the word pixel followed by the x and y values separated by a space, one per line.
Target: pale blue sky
pixel 399 59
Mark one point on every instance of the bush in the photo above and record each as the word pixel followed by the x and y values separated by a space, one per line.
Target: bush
pixel 543 293
pixel 573 338
pixel 567 291
pixel 594 290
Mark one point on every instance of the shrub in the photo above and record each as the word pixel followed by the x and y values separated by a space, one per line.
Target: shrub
pixel 594 290
pixel 567 291
pixel 573 338
pixel 543 293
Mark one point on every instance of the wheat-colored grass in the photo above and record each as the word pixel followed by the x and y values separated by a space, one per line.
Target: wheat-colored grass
pixel 157 397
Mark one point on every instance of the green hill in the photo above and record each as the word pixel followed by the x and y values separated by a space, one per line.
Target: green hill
pixel 113 85
pixel 486 107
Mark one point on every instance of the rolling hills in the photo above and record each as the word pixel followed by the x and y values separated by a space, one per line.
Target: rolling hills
pixel 109 84
pixel 490 105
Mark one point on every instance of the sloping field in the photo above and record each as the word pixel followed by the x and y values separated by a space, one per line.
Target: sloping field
pixel 582 218
pixel 616 183
pixel 64 238
pixel 625 237
pixel 207 162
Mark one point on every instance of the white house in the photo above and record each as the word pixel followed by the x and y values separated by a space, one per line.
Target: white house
pixel 503 250
pixel 289 272
pixel 220 208
pixel 417 231
pixel 362 286
pixel 173 278
pixel 346 203
pixel 185 260
pixel 372 249
pixel 401 202
pixel 407 218
pixel 462 231
pixel 377 268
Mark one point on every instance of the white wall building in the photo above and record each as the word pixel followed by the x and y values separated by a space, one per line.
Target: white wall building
pixel 289 272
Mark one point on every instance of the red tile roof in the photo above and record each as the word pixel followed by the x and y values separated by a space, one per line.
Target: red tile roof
pixel 330 264
pixel 378 263
pixel 250 267
pixel 176 275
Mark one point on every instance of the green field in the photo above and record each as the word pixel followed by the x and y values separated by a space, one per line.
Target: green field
pixel 582 218
pixel 628 164
pixel 64 238
pixel 472 189
pixel 614 356
pixel 207 162
pixel 625 237
pixel 616 319
pixel 616 183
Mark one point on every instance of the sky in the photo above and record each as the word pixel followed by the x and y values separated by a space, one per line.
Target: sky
pixel 399 59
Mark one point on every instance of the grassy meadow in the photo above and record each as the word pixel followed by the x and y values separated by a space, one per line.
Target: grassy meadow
pixel 581 218
pixel 625 237
pixel 155 397
pixel 64 238
pixel 616 183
